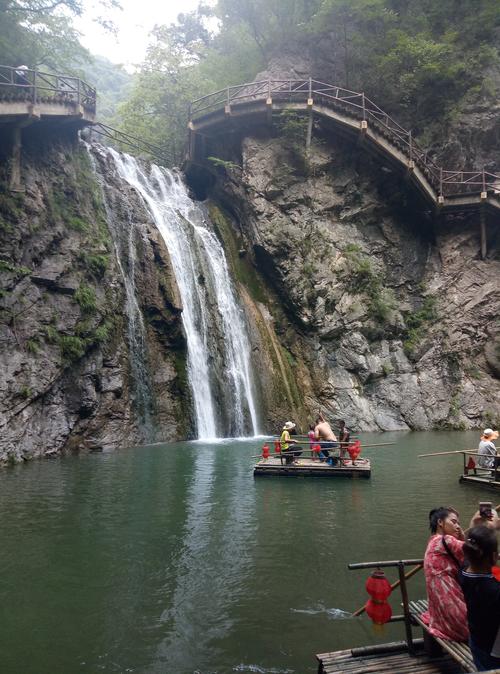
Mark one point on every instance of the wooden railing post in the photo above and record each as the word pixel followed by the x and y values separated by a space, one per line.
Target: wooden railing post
pixel 484 180
pixel 406 607
pixel 310 87
pixel 33 95
pixel 440 181
pixel 364 106
pixel 411 148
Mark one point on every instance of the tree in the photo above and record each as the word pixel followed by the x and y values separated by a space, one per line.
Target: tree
pixel 41 33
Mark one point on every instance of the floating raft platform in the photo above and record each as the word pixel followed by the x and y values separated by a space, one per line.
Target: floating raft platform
pixel 390 658
pixel 482 481
pixel 274 466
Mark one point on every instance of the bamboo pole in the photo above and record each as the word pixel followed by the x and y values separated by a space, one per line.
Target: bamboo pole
pixel 454 451
pixel 394 585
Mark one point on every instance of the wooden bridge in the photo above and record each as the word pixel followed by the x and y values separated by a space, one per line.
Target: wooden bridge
pixel 28 96
pixel 27 93
pixel 254 104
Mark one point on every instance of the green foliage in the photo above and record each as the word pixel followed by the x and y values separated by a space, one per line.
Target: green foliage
pixel 41 33
pixel 421 59
pixel 113 84
pixel 363 279
pixel 32 345
pixel 25 392
pixel 72 348
pixel 96 263
pixel 51 334
pixel 76 223
pixel 417 322
pixel 222 163
pixel 86 299
pixel 6 266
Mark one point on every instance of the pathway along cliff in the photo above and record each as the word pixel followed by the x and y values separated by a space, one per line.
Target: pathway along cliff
pixel 317 281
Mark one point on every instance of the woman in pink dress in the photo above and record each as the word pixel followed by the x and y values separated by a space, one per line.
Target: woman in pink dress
pixel 447 614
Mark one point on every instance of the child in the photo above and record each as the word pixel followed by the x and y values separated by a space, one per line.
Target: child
pixel 482 595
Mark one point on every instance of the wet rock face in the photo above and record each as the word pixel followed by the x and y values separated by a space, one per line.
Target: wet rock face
pixel 66 380
pixel 389 315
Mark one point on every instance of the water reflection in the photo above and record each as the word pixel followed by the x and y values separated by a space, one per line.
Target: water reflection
pixel 173 558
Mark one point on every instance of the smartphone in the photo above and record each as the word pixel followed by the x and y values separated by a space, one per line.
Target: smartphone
pixel 486 509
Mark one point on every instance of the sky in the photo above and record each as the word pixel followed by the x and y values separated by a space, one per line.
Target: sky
pixel 134 23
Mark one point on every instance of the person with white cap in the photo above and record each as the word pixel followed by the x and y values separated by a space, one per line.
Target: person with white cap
pixel 487 449
pixel 286 441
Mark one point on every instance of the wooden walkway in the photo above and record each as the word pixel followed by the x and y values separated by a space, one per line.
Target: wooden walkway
pixel 254 104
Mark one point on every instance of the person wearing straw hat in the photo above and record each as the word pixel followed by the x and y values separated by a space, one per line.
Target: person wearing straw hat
pixel 286 441
pixel 487 449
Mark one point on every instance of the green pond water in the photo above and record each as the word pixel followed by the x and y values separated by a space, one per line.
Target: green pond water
pixel 174 559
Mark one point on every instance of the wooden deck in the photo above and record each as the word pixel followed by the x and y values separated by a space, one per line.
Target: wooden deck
pixel 272 466
pixel 481 480
pixel 385 659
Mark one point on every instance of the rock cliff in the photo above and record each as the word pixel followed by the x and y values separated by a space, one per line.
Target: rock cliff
pixel 65 352
pixel 389 315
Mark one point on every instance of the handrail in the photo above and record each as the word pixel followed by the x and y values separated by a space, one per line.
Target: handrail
pixel 402 578
pixel 358 105
pixel 131 141
pixel 36 86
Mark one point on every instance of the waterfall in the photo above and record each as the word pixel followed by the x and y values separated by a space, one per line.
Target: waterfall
pixel 124 243
pixel 219 369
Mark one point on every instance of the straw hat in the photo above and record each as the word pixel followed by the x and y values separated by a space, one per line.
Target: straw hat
pixel 288 426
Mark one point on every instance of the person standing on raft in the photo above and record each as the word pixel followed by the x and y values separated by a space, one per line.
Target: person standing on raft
pixel 344 437
pixel 323 432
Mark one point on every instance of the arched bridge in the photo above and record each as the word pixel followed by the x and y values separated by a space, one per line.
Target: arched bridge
pixel 255 102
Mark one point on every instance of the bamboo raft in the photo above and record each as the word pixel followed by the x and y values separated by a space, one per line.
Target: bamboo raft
pixel 429 655
pixel 484 477
pixel 306 467
pixel 390 658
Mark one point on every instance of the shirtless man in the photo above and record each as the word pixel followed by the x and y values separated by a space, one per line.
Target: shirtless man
pixel 323 432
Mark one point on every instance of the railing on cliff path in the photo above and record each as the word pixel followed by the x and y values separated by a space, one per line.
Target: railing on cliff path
pixel 355 105
pixel 36 86
pixel 122 138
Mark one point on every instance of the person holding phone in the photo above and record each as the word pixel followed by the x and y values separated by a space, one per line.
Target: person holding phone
pixel 482 596
pixel 486 515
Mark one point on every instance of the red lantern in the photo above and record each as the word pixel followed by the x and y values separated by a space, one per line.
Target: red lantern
pixel 377 586
pixel 379 589
pixel 277 446
pixel 354 450
pixel 379 612
pixel 265 451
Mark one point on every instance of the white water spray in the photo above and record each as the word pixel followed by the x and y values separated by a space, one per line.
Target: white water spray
pixel 217 342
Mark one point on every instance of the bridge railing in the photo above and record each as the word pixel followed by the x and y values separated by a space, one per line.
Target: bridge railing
pixel 121 139
pixel 37 86
pixel 359 106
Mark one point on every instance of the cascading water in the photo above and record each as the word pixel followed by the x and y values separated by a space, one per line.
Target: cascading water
pixel 217 342
pixel 124 242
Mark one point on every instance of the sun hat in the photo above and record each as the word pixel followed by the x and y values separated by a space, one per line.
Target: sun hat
pixel 488 431
pixel 288 426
